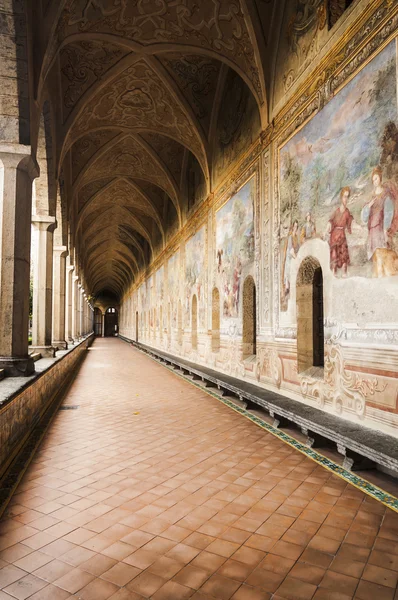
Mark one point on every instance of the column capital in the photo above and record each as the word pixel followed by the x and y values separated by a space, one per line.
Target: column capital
pixel 44 222
pixel 61 250
pixel 18 156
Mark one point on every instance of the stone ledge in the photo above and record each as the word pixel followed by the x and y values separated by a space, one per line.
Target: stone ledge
pixel 25 400
pixel 12 386
pixel 361 446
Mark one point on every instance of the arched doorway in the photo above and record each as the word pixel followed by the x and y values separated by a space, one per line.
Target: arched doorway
pixel 309 302
pixel 194 321
pixel 215 321
pixel 111 322
pixel 249 317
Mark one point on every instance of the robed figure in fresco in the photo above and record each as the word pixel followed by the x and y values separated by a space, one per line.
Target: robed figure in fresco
pixel 381 216
pixel 338 224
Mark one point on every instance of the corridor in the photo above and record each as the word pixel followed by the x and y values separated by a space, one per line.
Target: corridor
pixel 147 487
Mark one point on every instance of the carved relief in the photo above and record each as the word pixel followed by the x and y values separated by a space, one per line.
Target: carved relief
pixel 170 152
pixel 87 146
pixel 220 26
pixel 197 77
pixel 138 99
pixel 269 365
pixel 344 390
pixel 83 63
pixel 89 190
pixel 129 158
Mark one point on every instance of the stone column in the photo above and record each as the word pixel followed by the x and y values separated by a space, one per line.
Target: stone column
pixel 103 324
pixel 81 315
pixel 43 229
pixel 17 171
pixel 75 307
pixel 69 303
pixel 59 295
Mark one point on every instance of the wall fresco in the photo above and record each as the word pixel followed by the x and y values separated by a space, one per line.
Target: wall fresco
pixel 195 251
pixel 339 178
pixel 173 284
pixel 315 194
pixel 235 246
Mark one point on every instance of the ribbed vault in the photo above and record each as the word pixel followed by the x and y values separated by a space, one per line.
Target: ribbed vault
pixel 141 85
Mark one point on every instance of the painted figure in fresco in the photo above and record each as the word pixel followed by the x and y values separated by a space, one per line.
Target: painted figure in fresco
pixel 219 259
pixel 308 230
pixel 379 216
pixel 236 282
pixel 338 224
pixel 291 249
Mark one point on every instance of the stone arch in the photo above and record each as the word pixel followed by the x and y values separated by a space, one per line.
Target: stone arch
pixel 249 314
pixel 310 313
pixel 194 322
pixel 215 320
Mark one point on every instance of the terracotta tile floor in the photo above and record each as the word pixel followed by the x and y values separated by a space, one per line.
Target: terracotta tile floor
pixel 154 489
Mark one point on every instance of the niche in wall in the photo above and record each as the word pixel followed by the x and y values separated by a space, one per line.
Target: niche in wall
pixel 310 328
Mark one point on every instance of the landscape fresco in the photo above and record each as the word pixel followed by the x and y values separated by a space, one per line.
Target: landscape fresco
pixel 195 251
pixel 235 246
pixel 340 170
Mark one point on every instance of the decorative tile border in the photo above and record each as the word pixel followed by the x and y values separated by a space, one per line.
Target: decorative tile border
pixel 362 484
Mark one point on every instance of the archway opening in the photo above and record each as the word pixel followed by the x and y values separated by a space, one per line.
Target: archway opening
pixel 310 312
pixel 194 322
pixel 97 322
pixel 249 318
pixel 111 322
pixel 215 321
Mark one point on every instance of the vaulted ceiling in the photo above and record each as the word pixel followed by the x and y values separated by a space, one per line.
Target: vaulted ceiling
pixel 139 86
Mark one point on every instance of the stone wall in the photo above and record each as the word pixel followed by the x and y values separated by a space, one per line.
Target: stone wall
pixel 23 401
pixel 311 189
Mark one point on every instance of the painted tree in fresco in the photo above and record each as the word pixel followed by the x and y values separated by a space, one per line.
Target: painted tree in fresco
pixel 341 174
pixel 290 187
pixel 317 180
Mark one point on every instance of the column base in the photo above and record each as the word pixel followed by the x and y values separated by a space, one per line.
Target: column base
pixel 63 345
pixel 45 351
pixel 17 367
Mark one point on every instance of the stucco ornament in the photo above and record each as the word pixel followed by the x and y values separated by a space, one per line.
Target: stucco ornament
pixel 342 390
pixel 269 365
pixel 219 26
